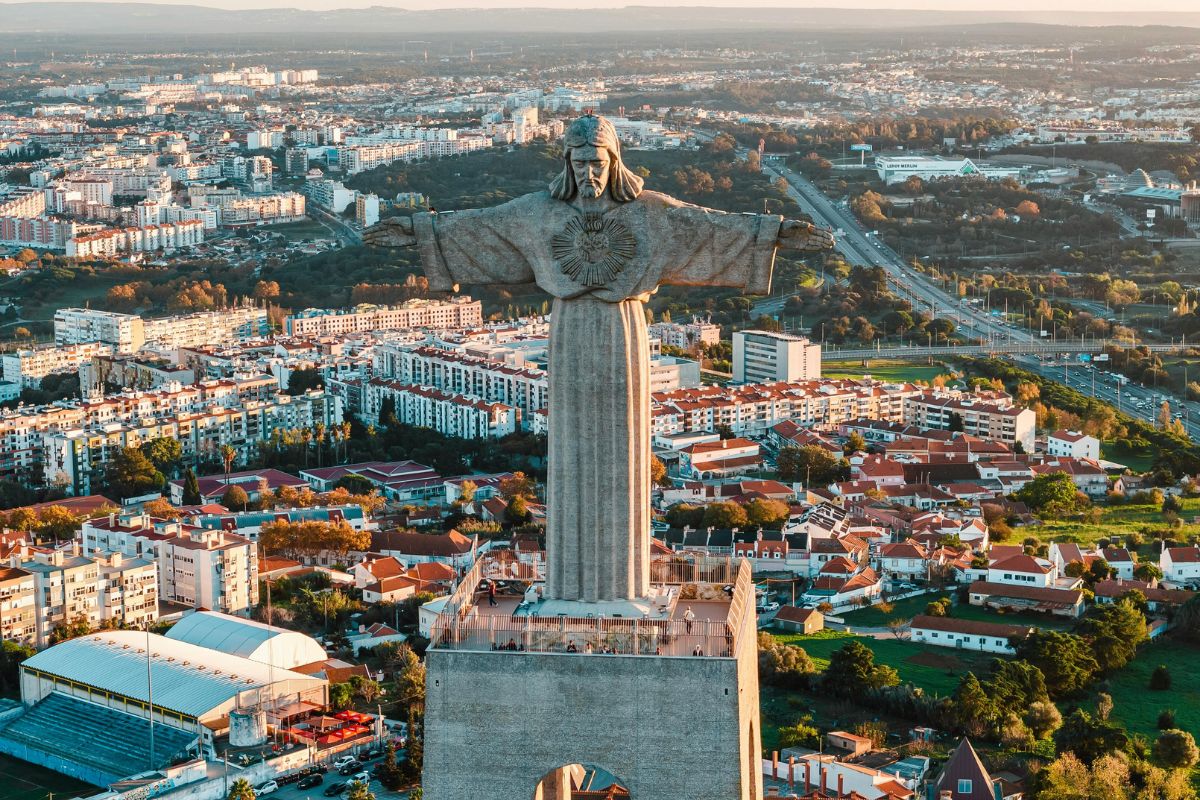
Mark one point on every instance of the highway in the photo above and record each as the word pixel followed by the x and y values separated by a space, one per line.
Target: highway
pixel 860 247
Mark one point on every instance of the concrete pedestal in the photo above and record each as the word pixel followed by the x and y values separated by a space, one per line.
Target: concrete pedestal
pixel 666 727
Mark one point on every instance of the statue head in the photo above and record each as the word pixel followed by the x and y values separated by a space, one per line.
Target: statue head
pixel 593 165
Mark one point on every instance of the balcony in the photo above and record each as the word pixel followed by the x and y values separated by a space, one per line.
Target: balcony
pixel 689 614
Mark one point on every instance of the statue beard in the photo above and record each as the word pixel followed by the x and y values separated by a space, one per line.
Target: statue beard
pixel 590 190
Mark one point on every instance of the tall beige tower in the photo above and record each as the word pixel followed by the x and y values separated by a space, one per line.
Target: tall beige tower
pixel 644 668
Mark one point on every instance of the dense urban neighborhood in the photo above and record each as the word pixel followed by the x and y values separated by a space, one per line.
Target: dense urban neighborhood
pixel 867 402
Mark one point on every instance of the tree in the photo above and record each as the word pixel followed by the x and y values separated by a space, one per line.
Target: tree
pixel 161 508
pixel 235 498
pixel 354 484
pixel 165 454
pixel 1166 719
pixel 811 465
pixel 12 654
pixel 517 511
pixel 58 522
pixel 938 608
pixel 360 790
pixel 658 472
pixel 306 539
pixel 1160 679
pixel 1028 209
pixel 1115 630
pixel 725 514
pixel 518 485
pixel 1042 718
pixel 802 734
pixel 973 710
pixel 241 790
pixel 341 695
pixel 191 489
pixel 1176 749
pixel 1147 571
pixel 783 665
pixel 130 473
pixel 228 457
pixel 852 671
pixel 1051 495
pixel 1064 659
pixel 304 380
pixel 855 443
pixel 389 772
pixel 1088 737
pixel 766 512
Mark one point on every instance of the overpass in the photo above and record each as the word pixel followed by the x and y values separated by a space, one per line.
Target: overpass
pixel 1026 348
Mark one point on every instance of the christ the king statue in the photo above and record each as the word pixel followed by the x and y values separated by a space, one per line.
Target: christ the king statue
pixel 601 245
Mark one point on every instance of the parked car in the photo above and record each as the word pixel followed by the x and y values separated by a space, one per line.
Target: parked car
pixel 334 789
pixel 370 753
pixel 309 781
pixel 362 777
pixel 343 761
pixel 350 767
pixel 265 788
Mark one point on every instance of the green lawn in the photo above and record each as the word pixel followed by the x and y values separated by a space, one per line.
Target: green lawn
pixel 883 370
pixel 20 780
pixel 935 669
pixel 1117 521
pixel 299 231
pixel 1141 460
pixel 1135 705
pixel 873 617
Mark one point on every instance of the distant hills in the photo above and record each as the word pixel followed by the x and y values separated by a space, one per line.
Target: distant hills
pixel 148 18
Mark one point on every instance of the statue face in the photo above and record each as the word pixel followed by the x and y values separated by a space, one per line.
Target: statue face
pixel 591 167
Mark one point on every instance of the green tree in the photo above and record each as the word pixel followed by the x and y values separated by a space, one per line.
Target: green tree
pixel 811 465
pixel 725 514
pixel 130 473
pixel 1064 659
pixel 1089 737
pixel 1160 679
pixel 973 710
pixel 1176 749
pixel 855 443
pixel 191 489
pixel 341 695
pixel 235 498
pixel 355 484
pixel 1115 630
pixel 360 790
pixel 802 734
pixel 783 665
pixel 1042 718
pixel 1147 571
pixel 12 654
pixel 517 511
pixel 852 671
pixel 241 790
pixel 1051 495
pixel 389 772
pixel 165 454
pixel 304 380
pixel 766 512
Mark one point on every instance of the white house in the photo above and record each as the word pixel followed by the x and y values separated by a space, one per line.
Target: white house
pixel 1180 565
pixel 903 560
pixel 1072 444
pixel 1022 570
pixel 966 634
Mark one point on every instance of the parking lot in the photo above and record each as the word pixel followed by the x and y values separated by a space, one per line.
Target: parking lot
pixel 291 791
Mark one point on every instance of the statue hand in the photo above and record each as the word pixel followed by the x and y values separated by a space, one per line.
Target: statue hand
pixel 797 235
pixel 391 232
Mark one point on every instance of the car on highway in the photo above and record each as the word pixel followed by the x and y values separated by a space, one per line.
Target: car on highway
pixel 266 788
pixel 309 781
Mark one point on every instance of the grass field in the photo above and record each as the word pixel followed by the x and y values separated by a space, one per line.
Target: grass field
pixel 299 231
pixel 883 370
pixel 1137 706
pixel 873 617
pixel 20 780
pixel 1137 460
pixel 1118 521
pixel 935 669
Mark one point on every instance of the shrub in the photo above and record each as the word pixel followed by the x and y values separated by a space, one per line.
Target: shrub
pixel 1160 679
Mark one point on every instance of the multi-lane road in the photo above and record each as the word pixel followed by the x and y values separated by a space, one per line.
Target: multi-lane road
pixel 862 248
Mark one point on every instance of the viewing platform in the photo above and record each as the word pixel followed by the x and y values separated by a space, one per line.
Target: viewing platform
pixel 697 608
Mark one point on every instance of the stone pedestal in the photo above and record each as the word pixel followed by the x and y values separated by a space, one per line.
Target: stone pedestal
pixel 665 727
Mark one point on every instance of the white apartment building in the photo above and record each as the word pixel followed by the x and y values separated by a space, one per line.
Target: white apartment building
pixel 449 414
pixel 79 456
pixel 26 368
pixel 128 590
pixel 125 333
pixel 67 588
pixel 995 419
pixel 764 356
pixel 211 569
pixel 366 210
pixel 21 201
pixel 526 389
pixel 268 209
pixel 42 232
pixel 113 242
pixel 1072 444
pixel 18 600
pixel 687 335
pixel 329 194
pixel 457 312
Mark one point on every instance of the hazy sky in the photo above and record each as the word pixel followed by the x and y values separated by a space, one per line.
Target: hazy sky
pixel 1141 6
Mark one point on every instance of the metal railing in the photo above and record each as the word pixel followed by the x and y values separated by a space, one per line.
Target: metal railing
pixel 586 636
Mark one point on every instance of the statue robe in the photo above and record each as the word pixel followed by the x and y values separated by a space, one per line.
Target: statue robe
pixel 600 269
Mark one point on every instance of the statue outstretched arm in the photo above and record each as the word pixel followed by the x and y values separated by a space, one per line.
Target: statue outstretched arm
pixel 795 234
pixel 391 232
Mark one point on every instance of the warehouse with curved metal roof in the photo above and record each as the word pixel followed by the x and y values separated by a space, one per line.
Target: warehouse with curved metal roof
pixel 246 638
